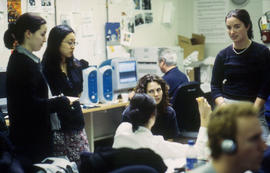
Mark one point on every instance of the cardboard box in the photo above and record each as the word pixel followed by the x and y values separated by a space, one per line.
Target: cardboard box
pixel 193 74
pixel 196 43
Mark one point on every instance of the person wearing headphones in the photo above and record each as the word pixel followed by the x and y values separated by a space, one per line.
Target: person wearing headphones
pixel 172 75
pixel 235 139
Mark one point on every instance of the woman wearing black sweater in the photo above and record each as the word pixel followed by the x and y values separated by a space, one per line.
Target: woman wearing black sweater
pixel 29 108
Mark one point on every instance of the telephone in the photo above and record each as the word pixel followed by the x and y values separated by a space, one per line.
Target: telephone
pixel 264 26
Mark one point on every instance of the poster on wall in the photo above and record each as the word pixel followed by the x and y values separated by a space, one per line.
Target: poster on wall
pixel 33 6
pixel 148 17
pixel 47 6
pixel 14 10
pixel 146 4
pixel 137 4
pixel 139 19
pixel 40 6
pixel 112 33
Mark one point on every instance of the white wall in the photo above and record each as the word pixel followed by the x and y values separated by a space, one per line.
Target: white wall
pixel 254 7
pixel 155 34
pixel 158 33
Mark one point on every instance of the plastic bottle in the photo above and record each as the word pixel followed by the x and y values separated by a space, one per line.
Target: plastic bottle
pixel 191 156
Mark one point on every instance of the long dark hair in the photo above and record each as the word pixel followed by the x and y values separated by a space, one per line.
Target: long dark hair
pixel 142 107
pixel 52 56
pixel 243 16
pixel 142 88
pixel 16 30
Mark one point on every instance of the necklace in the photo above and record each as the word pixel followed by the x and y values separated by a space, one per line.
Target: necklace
pixel 242 51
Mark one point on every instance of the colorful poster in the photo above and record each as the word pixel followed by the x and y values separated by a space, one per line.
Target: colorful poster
pixel 112 33
pixel 14 10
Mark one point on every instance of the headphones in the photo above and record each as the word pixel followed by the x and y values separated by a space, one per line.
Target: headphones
pixel 228 146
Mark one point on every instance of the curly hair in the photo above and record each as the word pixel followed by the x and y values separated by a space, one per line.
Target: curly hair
pixel 142 88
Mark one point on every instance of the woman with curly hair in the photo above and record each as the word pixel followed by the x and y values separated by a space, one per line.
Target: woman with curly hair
pixel 166 122
pixel 143 115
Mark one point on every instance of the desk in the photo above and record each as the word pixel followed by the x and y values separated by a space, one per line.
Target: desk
pixel 101 122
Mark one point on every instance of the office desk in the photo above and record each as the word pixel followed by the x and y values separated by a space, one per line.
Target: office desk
pixel 101 122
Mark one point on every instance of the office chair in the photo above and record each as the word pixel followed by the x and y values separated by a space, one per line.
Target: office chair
pixel 186 108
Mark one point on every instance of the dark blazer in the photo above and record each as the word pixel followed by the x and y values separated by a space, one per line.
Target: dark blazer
pixel 70 84
pixel 29 107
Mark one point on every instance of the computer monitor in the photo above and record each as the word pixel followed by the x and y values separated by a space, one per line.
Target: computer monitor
pixel 127 72
pixel 124 73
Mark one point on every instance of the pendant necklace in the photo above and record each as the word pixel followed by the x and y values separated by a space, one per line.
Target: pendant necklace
pixel 242 51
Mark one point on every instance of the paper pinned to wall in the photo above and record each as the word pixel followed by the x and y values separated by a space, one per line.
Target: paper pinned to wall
pixel 126 38
pixel 2 6
pixel 65 19
pixel 117 51
pixel 40 6
pixel 209 19
pixel 87 25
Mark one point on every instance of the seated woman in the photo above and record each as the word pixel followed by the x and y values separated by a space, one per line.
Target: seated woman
pixel 166 122
pixel 137 134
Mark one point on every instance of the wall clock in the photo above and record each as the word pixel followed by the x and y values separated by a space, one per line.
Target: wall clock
pixel 239 2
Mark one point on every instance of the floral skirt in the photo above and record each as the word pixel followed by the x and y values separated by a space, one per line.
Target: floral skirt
pixel 70 144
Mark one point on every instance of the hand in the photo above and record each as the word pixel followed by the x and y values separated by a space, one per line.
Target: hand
pixel 72 99
pixel 220 101
pixel 130 95
pixel 204 109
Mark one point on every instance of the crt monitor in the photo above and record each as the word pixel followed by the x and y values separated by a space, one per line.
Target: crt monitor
pixel 125 74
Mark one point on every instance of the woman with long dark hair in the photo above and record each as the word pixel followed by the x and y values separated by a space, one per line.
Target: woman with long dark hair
pixel 64 75
pixel 240 72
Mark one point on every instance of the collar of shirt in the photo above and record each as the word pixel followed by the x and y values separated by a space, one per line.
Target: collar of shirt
pixel 24 51
pixel 171 70
pixel 142 129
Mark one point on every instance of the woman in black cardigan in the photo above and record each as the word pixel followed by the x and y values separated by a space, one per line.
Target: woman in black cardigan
pixel 29 108
pixel 64 75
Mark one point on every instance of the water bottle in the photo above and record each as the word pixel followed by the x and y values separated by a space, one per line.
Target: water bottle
pixel 191 156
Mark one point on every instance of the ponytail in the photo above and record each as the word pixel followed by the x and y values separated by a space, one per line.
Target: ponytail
pixel 9 36
pixel 137 119
pixel 15 31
